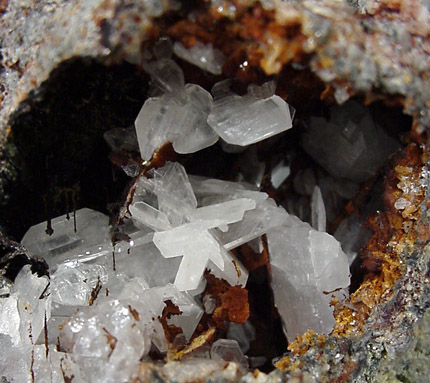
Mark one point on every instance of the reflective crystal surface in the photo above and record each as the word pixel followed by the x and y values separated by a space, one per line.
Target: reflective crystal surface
pixel 307 268
pixel 244 120
pixel 80 236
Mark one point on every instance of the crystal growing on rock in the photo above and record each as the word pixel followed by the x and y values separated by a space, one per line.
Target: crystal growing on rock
pixel 307 267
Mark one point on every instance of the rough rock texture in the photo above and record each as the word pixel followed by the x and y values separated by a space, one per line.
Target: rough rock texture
pixel 378 50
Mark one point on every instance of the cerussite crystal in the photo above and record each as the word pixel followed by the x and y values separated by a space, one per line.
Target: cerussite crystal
pixel 307 267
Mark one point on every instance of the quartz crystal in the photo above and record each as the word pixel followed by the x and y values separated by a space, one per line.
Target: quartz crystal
pixel 244 120
pixel 228 350
pixel 307 267
pixel 349 144
pixel 202 55
pixel 78 237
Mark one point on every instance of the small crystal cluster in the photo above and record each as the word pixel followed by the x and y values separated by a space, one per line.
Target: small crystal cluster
pixel 98 316
pixel 192 119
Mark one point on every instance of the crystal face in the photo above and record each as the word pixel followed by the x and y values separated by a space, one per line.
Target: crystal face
pixel 308 266
pixel 354 146
pixel 119 293
pixel 244 120
pixel 78 236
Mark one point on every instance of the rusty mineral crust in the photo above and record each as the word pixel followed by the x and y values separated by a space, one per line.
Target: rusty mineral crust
pixel 377 50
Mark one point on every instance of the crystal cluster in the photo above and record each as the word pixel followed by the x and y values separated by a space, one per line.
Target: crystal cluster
pixel 102 310
pixel 191 118
pixel 349 144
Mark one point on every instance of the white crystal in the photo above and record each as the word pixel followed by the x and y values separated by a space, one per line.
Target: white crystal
pixel 348 145
pixel 246 120
pixel 32 299
pixel 318 218
pixel 256 222
pixel 279 174
pixel 169 192
pixel 226 212
pixel 202 55
pixel 228 350
pixel 197 246
pixel 179 117
pixel 10 319
pixel 307 267
pixel 15 361
pixel 107 341
pixel 66 243
pixel 191 312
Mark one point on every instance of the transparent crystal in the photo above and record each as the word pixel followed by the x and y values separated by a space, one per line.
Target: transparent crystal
pixel 255 223
pixel 279 174
pixel 72 283
pixel 202 55
pixel 193 132
pixel 352 235
pixel 122 139
pixel 170 195
pixel 318 218
pixel 178 117
pixel 308 267
pixel 163 48
pixel 228 350
pixel 242 333
pixel 80 237
pixel 244 120
pixel 191 312
pixel 350 144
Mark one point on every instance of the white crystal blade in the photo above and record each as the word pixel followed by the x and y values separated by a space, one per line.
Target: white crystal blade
pixel 248 119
